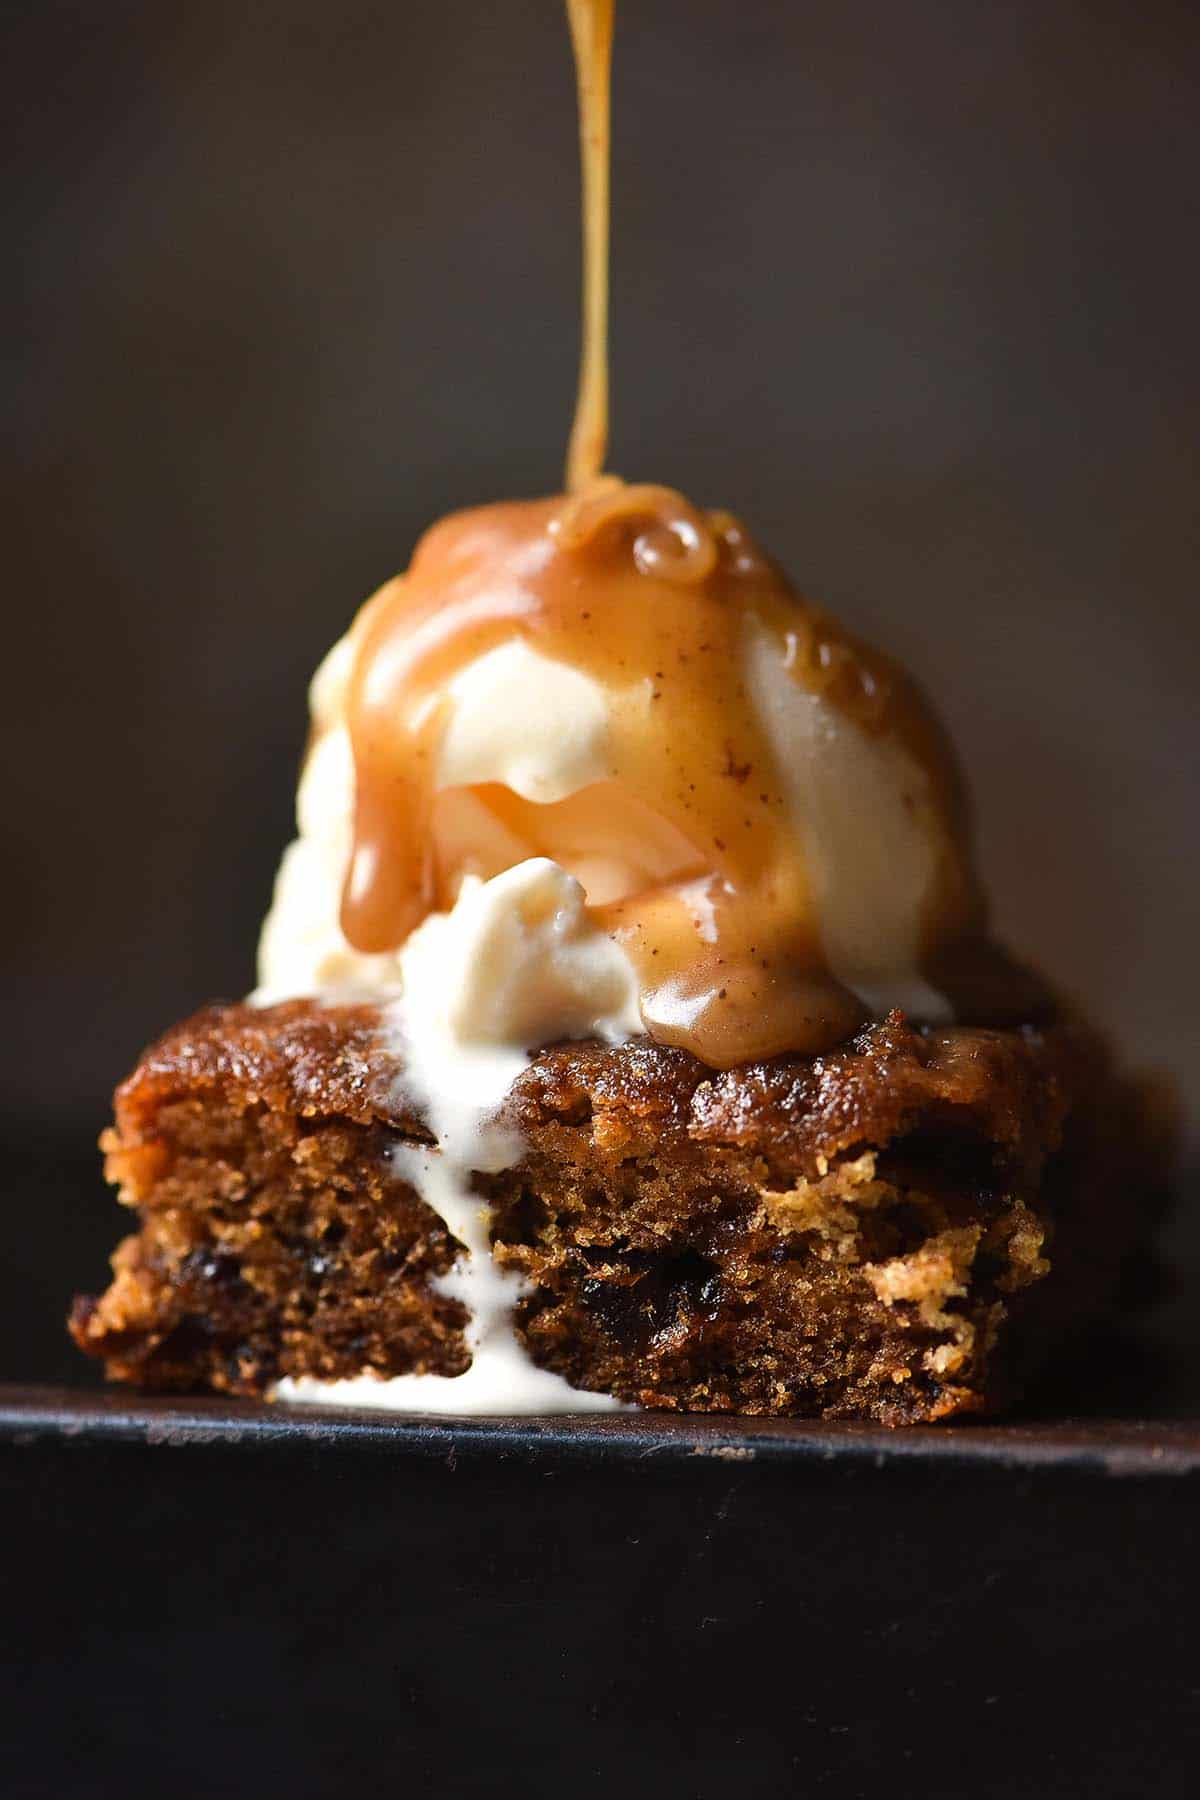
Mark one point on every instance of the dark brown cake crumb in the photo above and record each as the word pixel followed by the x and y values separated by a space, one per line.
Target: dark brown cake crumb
pixel 893 1231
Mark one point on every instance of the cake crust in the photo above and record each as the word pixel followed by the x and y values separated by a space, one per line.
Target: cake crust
pixel 896 1230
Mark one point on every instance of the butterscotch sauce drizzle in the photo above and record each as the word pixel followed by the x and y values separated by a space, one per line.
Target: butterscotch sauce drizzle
pixel 591 24
pixel 656 601
pixel 746 936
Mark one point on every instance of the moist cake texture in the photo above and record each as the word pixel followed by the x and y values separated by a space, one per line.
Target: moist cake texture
pixel 896 1230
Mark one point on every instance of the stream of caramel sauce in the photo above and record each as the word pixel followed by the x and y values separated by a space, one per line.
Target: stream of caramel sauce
pixel 591 24
pixel 656 602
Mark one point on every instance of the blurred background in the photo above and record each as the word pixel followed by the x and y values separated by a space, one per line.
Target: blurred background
pixel 914 289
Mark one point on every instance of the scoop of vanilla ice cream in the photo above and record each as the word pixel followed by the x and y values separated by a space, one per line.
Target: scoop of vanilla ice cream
pixel 540 729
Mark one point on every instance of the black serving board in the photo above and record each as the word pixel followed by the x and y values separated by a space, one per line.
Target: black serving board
pixel 213 1598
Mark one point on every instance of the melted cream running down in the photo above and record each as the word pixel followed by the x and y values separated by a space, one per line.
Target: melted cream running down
pixel 516 960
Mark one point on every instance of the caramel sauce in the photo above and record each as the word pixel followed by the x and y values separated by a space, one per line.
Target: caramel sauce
pixel 591 24
pixel 670 611
pixel 654 601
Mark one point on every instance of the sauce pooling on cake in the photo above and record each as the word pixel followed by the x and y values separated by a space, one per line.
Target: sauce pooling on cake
pixel 761 812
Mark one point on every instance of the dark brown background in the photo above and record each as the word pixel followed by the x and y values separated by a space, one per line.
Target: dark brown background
pixel 913 285
pixel 914 288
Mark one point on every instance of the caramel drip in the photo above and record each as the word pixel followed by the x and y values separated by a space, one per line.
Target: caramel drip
pixel 591 24
pixel 653 600
pixel 782 814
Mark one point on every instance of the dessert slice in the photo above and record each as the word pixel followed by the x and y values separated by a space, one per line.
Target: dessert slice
pixel 579 1071
pixel 896 1230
